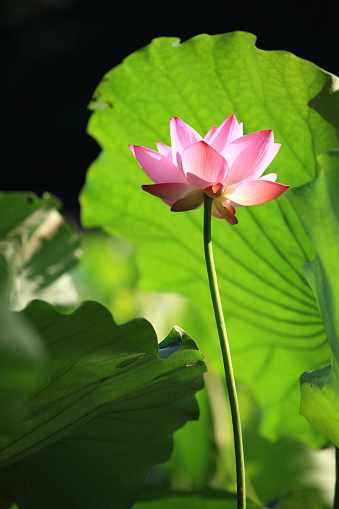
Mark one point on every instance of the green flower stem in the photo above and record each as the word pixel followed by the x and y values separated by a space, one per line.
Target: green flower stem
pixel 226 355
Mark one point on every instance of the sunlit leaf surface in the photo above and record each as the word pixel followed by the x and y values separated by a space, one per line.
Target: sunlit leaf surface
pixel 318 206
pixel 274 324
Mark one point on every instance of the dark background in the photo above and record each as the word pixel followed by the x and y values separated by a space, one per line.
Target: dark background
pixel 54 53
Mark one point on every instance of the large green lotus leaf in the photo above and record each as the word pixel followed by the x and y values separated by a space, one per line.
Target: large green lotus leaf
pixel 104 414
pixel 274 324
pixel 39 247
pixel 22 358
pixel 317 204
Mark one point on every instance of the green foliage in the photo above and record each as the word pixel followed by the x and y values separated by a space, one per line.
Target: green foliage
pixel 213 499
pixel 300 500
pixel 84 428
pixel 22 360
pixel 271 313
pixel 107 272
pixel 38 246
pixel 219 500
pixel 106 410
pixel 318 207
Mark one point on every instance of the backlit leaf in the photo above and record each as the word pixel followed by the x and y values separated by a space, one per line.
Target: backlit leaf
pixel 274 324
pixel 317 204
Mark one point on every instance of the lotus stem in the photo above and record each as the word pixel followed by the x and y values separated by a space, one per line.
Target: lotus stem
pixel 226 355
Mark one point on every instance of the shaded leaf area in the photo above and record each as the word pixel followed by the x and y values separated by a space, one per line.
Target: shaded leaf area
pixel 193 468
pixel 300 499
pixel 274 469
pixel 214 499
pixel 39 247
pixel 22 358
pixel 274 324
pixel 317 204
pixel 106 410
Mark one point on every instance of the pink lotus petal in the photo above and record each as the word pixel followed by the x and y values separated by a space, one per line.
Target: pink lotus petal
pixel 227 132
pixel 165 150
pixel 215 191
pixel 203 166
pixel 225 165
pixel 210 133
pixel 254 192
pixel 182 135
pixel 249 156
pixel 158 167
pixel 169 202
pixel 224 211
pixel 191 202
pixel 230 217
pixel 169 191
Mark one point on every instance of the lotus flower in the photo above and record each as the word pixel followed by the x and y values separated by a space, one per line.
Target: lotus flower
pixel 225 165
